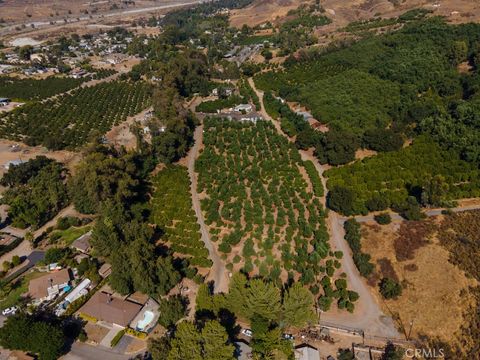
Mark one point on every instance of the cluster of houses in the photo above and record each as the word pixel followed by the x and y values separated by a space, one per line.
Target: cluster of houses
pixel 60 287
pixel 102 44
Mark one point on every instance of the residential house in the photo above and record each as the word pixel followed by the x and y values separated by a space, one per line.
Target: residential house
pixel 104 307
pixel 82 244
pixel 243 108
pixel 49 286
pixel 78 73
pixel 105 270
pixel 37 58
pixel 306 352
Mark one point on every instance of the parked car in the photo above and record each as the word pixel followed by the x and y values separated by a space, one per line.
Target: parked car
pixel 288 337
pixel 10 311
pixel 247 332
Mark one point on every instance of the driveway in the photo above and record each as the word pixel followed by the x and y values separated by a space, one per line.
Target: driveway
pixel 218 271
pixel 429 212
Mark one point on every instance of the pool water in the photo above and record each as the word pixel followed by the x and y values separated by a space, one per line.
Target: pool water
pixel 147 319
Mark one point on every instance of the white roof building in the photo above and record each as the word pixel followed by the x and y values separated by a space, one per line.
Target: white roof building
pixel 243 107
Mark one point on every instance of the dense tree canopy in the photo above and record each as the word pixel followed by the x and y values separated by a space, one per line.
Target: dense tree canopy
pixel 37 192
pixel 25 333
pixel 210 342
pixel 105 174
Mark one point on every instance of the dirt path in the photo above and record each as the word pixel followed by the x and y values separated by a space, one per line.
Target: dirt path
pixel 367 316
pixel 218 271
pixel 430 212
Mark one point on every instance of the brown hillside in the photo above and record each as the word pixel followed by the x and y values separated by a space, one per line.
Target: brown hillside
pixel 346 11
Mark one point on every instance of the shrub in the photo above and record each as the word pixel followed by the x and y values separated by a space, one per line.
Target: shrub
pixel 383 219
pixel 324 303
pixel 138 334
pixel 117 338
pixel 353 237
pixel 16 260
pixel 390 289
pixel 88 318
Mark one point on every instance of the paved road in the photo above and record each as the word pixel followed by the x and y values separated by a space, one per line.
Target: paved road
pixel 218 271
pixel 89 18
pixel 81 351
pixel 367 316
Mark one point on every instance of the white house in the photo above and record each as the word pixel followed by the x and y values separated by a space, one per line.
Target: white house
pixel 243 108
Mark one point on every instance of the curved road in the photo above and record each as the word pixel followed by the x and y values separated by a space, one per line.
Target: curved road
pixel 368 315
pixel 218 272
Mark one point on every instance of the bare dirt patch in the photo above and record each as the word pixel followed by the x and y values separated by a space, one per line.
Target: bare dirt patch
pixel 13 151
pixel 135 345
pixel 95 333
pixel 364 153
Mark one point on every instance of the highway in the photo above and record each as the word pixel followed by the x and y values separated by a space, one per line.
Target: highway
pixel 91 17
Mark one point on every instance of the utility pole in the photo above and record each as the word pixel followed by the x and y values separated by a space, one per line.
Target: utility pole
pixel 410 330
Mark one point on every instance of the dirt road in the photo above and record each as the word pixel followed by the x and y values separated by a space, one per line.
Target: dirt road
pixel 218 271
pixel 429 212
pixel 367 316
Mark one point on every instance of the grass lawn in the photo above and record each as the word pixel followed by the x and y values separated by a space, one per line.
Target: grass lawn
pixel 11 293
pixel 68 236
pixel 256 39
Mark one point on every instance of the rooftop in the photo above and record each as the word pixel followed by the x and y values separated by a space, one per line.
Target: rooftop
pixel 103 306
pixel 83 242
pixel 306 352
pixel 37 288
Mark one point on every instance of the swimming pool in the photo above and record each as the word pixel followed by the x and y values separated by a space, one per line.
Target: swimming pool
pixel 147 319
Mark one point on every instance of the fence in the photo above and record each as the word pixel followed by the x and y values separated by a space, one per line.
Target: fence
pixel 366 338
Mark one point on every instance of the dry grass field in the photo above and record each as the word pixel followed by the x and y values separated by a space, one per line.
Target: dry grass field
pixel 435 270
pixel 346 11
